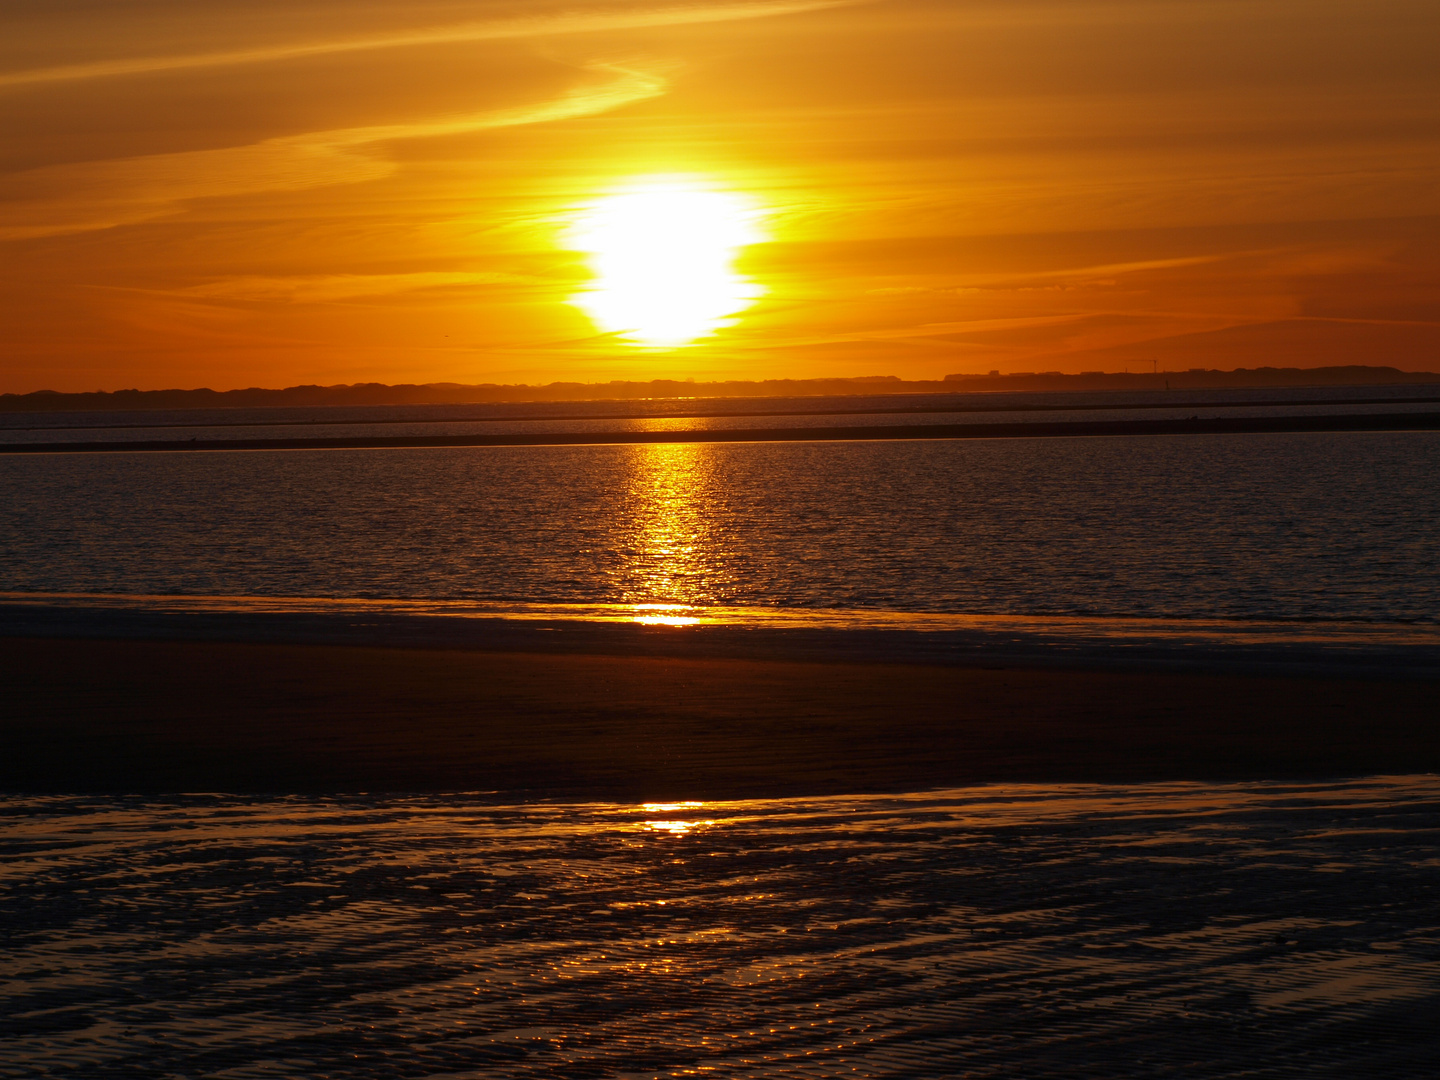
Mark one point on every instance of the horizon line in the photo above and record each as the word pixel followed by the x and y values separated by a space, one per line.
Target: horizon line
pixel 691 381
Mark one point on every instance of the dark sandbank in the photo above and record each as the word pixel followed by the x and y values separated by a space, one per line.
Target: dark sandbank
pixel 150 716
pixel 1197 425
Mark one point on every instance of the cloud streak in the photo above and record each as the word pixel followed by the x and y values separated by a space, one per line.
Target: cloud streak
pixel 335 288
pixel 105 194
pixel 495 30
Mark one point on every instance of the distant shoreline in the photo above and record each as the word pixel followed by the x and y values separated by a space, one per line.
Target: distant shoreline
pixel 358 394
pixel 1197 425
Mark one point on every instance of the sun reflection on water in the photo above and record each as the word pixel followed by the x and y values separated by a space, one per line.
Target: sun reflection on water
pixel 673 826
pixel 665 615
pixel 670 562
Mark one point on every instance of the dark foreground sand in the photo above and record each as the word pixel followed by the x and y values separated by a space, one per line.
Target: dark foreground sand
pixel 136 716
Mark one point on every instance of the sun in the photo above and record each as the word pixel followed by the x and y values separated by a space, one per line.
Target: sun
pixel 662 250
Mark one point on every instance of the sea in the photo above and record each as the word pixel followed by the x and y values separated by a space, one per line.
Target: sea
pixel 1319 543
pixel 1196 930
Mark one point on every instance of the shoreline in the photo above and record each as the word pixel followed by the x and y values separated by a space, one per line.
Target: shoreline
pixel 1303 649
pixel 1378 422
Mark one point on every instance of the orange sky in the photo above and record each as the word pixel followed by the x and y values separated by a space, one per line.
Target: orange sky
pixel 204 193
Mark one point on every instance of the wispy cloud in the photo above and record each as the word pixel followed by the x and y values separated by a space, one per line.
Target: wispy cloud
pixel 1106 270
pixel 970 326
pixel 103 194
pixel 494 30
pixel 333 288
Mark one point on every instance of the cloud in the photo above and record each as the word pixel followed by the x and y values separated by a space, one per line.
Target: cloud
pixel 975 283
pixel 1106 270
pixel 494 30
pixel 104 194
pixel 331 288
pixel 968 326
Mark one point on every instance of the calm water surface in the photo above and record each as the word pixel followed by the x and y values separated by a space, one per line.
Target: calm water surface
pixel 1298 526
pixel 1181 930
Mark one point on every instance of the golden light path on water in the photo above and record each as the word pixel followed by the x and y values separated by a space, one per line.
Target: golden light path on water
pixel 672 559
pixel 662 250
pixel 673 826
pixel 665 615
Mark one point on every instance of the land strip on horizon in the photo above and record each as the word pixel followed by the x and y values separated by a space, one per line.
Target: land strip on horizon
pixel 456 393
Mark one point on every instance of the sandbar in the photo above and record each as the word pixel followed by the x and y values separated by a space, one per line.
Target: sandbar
pixel 188 716
pixel 1196 425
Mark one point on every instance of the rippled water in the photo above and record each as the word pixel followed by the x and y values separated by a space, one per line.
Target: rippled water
pixel 1177 930
pixel 1297 526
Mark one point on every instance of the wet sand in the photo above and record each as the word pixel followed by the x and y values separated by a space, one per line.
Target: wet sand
pixel 1186 931
pixel 150 716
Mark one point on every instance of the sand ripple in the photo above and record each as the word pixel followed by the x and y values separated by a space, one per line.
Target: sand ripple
pixel 1176 930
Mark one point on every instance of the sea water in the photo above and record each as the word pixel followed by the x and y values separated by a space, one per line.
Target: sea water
pixel 1327 526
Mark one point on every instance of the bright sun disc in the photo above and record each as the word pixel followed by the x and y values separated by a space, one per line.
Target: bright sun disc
pixel 663 253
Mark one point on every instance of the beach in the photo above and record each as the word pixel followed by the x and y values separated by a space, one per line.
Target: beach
pixel 157 715
pixel 652 852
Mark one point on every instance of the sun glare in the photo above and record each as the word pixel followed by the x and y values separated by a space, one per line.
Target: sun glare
pixel 662 250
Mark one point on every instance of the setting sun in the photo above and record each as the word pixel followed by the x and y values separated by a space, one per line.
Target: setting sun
pixel 662 251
